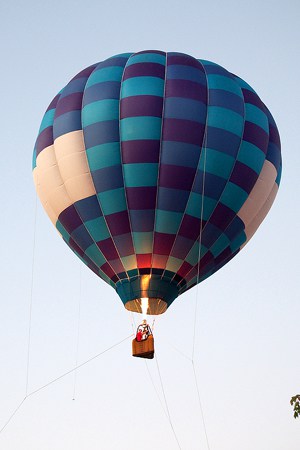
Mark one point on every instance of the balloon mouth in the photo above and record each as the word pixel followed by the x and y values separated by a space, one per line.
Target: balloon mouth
pixel 160 292
pixel 156 306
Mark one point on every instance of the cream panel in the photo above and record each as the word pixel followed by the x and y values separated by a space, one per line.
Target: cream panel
pixel 43 198
pixel 80 187
pixel 73 165
pixel 173 264
pixel 69 143
pixel 129 262
pixel 259 193
pixel 46 158
pixel 257 220
pixel 59 200
pixel 50 178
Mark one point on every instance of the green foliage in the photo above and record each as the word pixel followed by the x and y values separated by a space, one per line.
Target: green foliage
pixel 296 402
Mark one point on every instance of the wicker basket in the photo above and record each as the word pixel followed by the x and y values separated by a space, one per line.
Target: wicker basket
pixel 143 349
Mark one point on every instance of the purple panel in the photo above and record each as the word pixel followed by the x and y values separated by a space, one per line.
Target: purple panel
pixel 176 177
pixel 108 249
pixel 243 176
pixel 70 219
pixel 109 272
pixel 141 197
pixel 157 52
pixel 53 103
pixel 140 151
pixel 251 97
pixel 144 260
pixel 144 69
pixel 85 73
pixel 163 243
pixel 224 255
pixel 190 227
pixel 141 105
pixel 69 103
pixel 184 269
pixel 142 220
pixel 180 130
pixel 222 216
pixel 44 139
pixel 75 247
pixel 124 244
pixel 187 89
pixel 181 247
pixel 182 59
pixel 118 223
pixel 117 265
pixel 108 178
pixel 256 135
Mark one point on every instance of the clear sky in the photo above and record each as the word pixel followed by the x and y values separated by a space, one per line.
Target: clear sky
pixel 247 330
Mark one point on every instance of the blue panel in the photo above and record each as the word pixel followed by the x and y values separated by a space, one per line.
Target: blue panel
pixel 180 154
pixel 101 133
pixel 181 72
pixel 184 108
pixel 70 121
pixel 108 89
pixel 88 208
pixel 172 199
pixel 223 140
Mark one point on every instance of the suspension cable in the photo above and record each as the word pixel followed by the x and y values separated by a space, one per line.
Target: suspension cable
pixel 197 292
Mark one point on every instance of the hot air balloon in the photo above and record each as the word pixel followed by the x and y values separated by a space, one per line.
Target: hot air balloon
pixel 156 169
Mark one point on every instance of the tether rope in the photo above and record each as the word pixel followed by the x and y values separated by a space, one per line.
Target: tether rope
pixel 31 296
pixel 78 329
pixel 166 403
pixel 156 391
pixel 59 378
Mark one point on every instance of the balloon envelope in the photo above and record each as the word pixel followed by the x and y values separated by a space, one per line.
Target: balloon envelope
pixel 156 168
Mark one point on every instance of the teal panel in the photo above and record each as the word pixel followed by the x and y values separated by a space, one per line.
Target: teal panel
pixel 142 86
pixel 137 175
pixel 226 119
pixel 167 221
pixel 244 85
pixel 113 73
pixel 193 256
pixel 62 231
pixel 217 163
pixel 112 201
pixel 238 242
pixel 144 127
pixel 34 159
pixel 97 229
pixel 233 197
pixel 147 57
pixel 252 156
pixel 143 242
pixel 47 120
pixel 100 111
pixel 225 83
pixel 194 206
pixel 95 255
pixel 219 245
pixel 257 116
pixel 104 155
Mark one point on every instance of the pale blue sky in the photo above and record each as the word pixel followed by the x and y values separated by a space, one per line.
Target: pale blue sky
pixel 247 334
